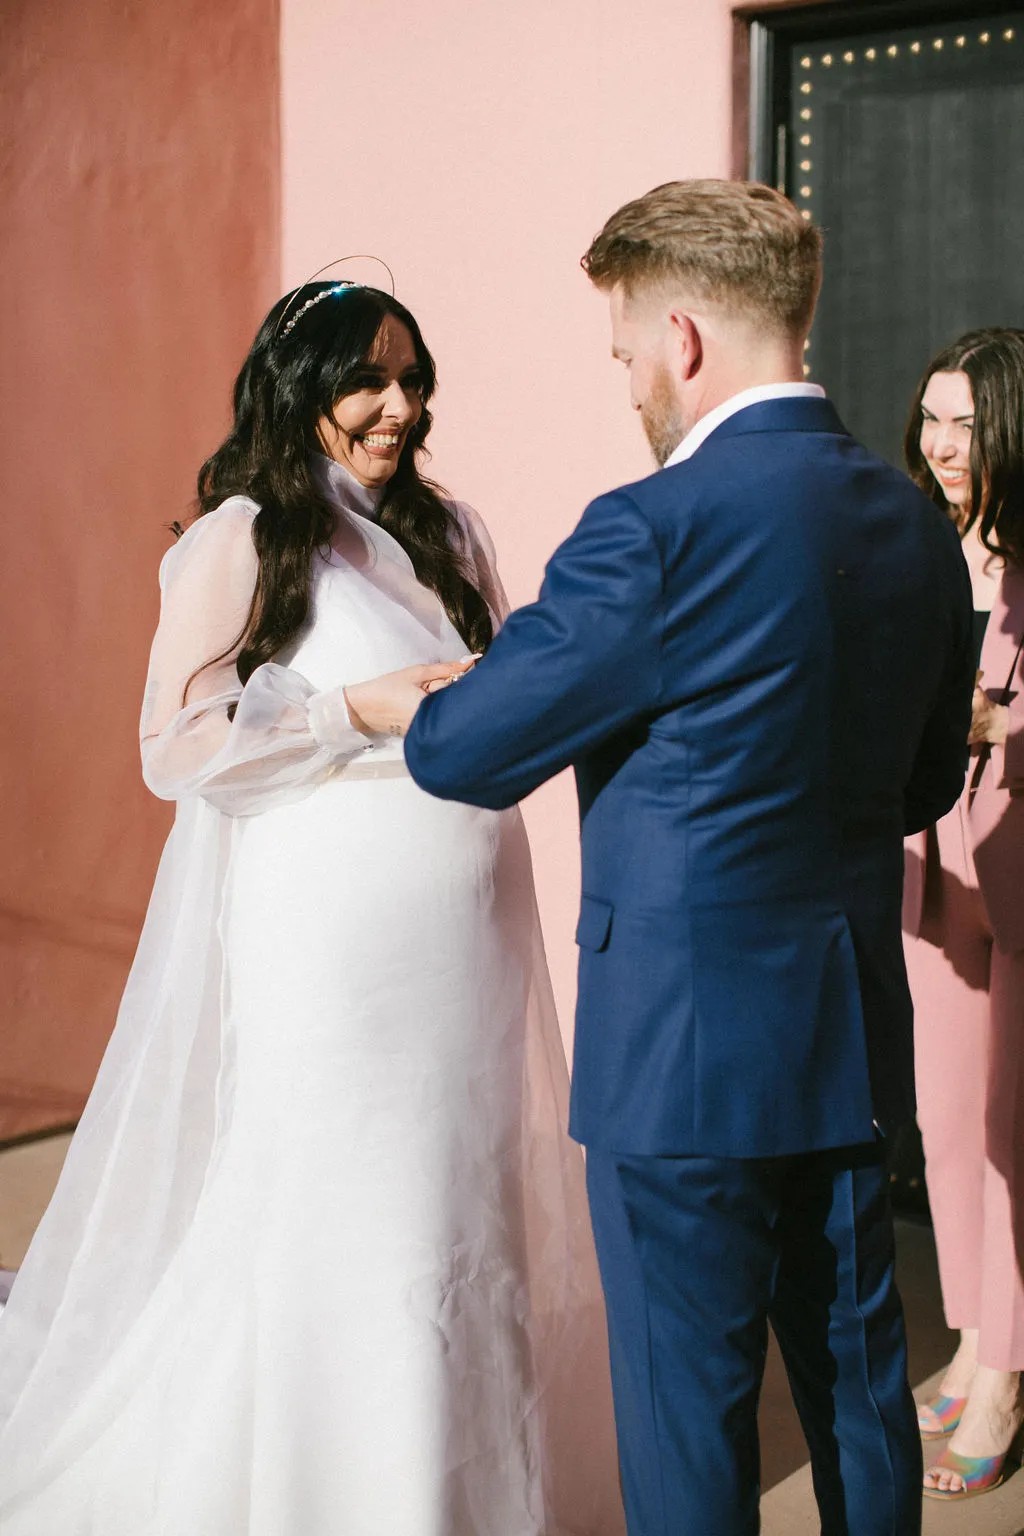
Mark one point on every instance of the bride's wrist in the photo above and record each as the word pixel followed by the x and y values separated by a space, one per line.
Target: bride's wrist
pixel 358 723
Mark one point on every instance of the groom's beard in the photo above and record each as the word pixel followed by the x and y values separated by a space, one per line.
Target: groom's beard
pixel 662 419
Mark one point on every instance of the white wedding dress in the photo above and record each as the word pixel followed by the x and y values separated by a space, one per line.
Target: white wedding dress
pixel 318 1263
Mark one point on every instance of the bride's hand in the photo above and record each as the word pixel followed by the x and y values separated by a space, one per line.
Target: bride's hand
pixel 385 705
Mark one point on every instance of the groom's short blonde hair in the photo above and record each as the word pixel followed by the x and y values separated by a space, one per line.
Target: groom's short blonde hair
pixel 737 244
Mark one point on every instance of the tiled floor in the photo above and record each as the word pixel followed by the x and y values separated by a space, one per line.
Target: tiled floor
pixel 29 1171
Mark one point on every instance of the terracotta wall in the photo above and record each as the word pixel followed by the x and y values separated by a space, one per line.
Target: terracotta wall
pixel 479 147
pixel 139 176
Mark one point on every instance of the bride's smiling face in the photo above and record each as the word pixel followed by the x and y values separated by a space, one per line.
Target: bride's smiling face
pixel 370 426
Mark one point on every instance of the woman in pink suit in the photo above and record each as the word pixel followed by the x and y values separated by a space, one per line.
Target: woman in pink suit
pixel 964 917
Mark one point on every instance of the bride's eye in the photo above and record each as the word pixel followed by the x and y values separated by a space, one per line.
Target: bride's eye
pixel 366 379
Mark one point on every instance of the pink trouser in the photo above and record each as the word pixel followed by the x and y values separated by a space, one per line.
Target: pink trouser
pixel 969 1037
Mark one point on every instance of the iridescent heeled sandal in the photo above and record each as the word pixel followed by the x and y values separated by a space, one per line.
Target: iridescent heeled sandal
pixel 980 1474
pixel 948 1411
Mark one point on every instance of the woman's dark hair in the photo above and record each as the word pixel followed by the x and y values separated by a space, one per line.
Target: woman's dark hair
pixel 993 361
pixel 288 383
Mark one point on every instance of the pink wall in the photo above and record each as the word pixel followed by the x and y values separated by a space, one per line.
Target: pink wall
pixel 140 245
pixel 478 148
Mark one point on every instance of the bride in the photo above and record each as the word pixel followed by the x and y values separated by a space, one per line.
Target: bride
pixel 318 1263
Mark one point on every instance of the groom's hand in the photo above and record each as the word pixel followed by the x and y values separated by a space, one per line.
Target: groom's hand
pixel 385 705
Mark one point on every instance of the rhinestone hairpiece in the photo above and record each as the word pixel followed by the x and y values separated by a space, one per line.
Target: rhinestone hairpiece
pixel 325 293
pixel 282 330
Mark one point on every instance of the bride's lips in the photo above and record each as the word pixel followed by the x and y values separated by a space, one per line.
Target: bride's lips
pixel 380 445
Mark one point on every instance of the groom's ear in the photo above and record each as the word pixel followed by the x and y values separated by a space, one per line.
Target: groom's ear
pixel 686 344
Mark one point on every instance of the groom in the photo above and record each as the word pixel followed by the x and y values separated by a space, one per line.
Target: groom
pixel 759 662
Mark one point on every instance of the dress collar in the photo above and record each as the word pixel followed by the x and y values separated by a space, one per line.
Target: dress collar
pixel 343 490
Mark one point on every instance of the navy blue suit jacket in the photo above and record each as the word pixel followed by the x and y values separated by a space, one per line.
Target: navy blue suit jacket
pixel 760 663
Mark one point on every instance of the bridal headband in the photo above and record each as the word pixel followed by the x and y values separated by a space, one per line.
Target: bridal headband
pixel 326 293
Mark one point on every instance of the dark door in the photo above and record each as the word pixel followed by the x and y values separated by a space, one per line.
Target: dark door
pixel 900 130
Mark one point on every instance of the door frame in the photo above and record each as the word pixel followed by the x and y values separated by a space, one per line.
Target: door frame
pixel 756 24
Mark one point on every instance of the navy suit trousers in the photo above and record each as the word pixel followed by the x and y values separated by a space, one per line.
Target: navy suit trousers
pixel 697 1255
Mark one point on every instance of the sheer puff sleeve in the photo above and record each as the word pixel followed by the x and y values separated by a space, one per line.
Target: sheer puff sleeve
pixel 285 737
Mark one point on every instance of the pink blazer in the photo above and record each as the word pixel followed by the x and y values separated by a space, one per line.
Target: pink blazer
pixel 991 808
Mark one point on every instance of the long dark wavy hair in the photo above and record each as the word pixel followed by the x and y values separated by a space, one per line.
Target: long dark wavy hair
pixel 288 383
pixel 993 361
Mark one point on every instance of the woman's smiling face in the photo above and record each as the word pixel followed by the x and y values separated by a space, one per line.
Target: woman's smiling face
pixel 370 426
pixel 947 425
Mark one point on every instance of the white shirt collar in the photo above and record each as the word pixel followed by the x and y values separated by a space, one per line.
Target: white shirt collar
pixel 342 489
pixel 707 424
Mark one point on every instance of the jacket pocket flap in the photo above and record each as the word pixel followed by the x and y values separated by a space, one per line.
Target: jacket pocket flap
pixel 595 923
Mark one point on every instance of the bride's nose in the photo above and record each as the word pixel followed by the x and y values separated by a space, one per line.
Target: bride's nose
pixel 399 405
